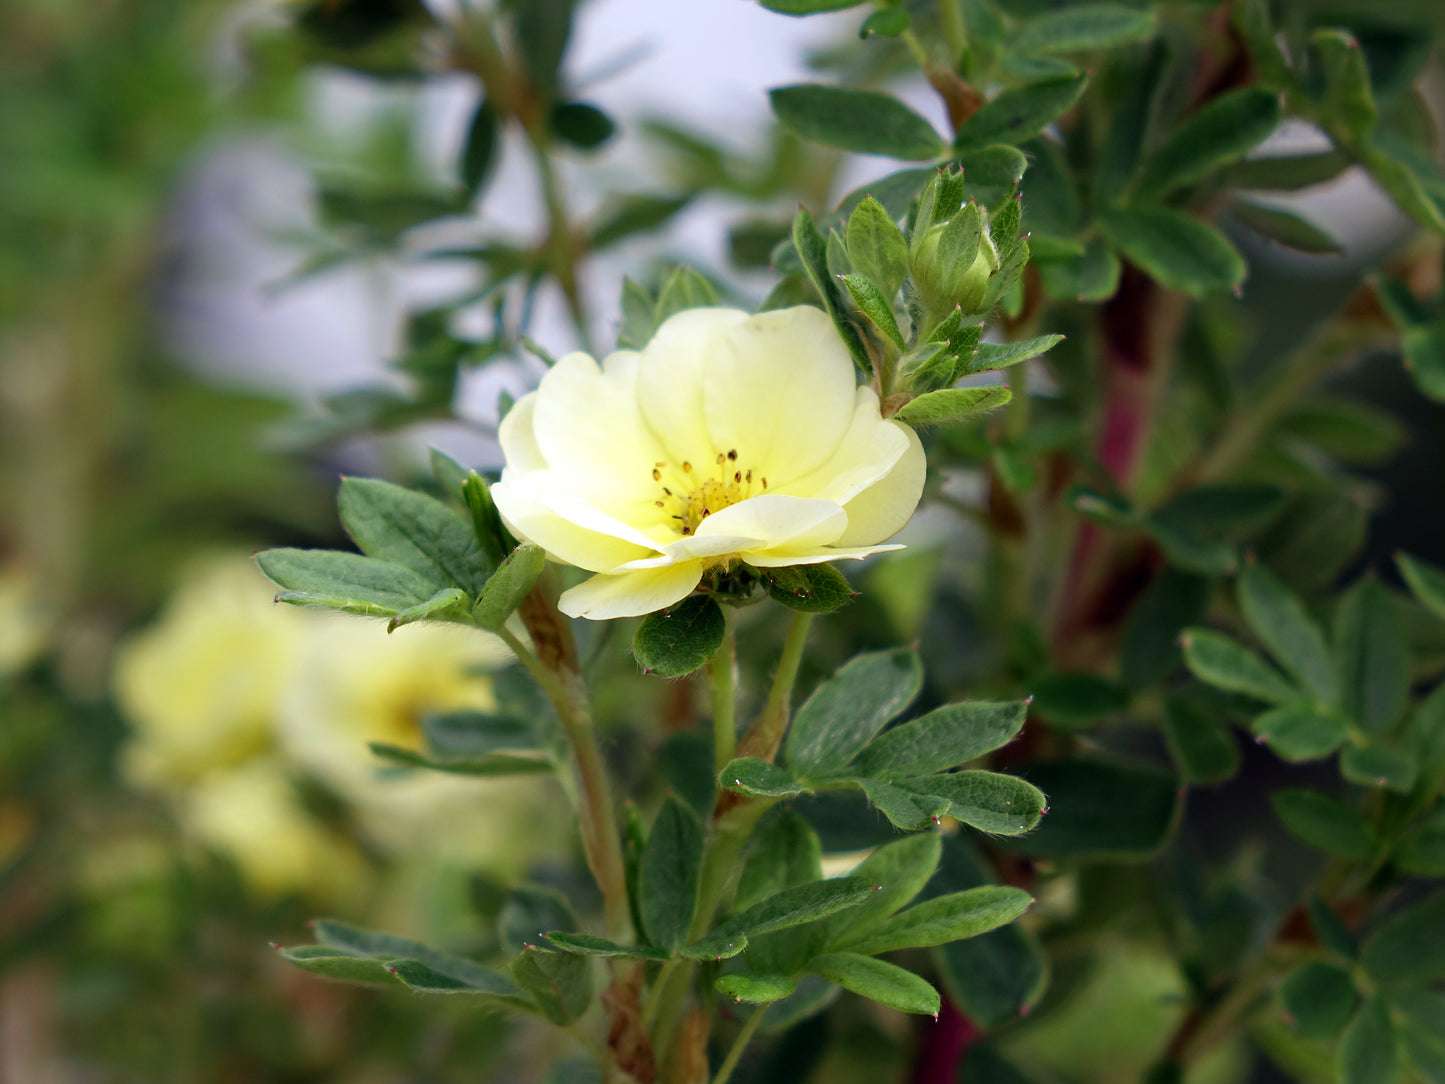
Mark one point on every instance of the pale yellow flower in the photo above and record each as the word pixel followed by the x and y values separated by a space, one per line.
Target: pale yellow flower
pixel 200 685
pixel 253 814
pixel 731 437
pixel 360 685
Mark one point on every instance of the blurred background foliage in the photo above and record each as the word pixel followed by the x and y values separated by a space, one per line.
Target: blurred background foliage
pixel 182 771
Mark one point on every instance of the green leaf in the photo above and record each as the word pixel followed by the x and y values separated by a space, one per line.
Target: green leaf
pixel 1288 172
pixel 678 640
pixel 685 761
pixel 817 588
pixel 1325 822
pixel 344 581
pixel 1403 185
pixel 887 23
pixel 855 120
pixel 494 764
pixel 1180 252
pixel 413 530
pixel 944 738
pixel 1220 132
pixel 1231 512
pixel 1150 651
pixel 1251 19
pixel 1283 227
pixel 1100 807
pixel 328 963
pixel 1088 26
pixel 785 851
pixel 905 807
pixel 1222 661
pixel 1319 999
pixel 1277 616
pixel 951 405
pixel 878 981
pixel 759 779
pixel 1300 731
pixel 876 307
pixel 479 153
pixel 813 252
pixel 1420 1015
pixel 1076 700
pixel 668 878
pixel 999 804
pixel 1022 112
pixel 900 869
pixel 995 977
pixel 1088 279
pixel 1427 739
pixel 755 989
pixel 1189 552
pixel 876 245
pixel 796 905
pixel 477 733
pixel 1372 656
pixel 990 172
pixel 992 356
pixel 493 538
pixel 473 979
pixel 1376 766
pixel 1426 582
pixel 509 586
pixel 530 911
pixel 685 288
pixel 845 712
pixel 944 919
pixel 1347 101
pixel 582 125
pixel 1333 933
pixel 621 219
pixel 639 316
pixel 586 944
pixel 1422 850
pixel 1370 1050
pixel 1409 946
pixel 559 982
pixel 808 7
pixel 427 967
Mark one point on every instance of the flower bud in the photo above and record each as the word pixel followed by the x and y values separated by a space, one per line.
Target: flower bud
pixel 952 263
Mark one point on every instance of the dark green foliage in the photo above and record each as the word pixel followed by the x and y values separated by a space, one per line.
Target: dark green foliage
pixel 678 641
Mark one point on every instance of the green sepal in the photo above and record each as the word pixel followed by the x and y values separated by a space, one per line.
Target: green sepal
pixel 509 585
pixel 676 641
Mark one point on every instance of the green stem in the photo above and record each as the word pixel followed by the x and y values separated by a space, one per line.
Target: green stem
pixel 720 864
pixel 763 736
pixel 598 825
pixel 950 20
pixel 920 54
pixel 724 699
pixel 740 1044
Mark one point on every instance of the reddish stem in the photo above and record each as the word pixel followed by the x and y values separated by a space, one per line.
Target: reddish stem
pixel 945 1042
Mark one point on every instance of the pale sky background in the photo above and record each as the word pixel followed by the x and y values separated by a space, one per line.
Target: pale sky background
pixel 704 64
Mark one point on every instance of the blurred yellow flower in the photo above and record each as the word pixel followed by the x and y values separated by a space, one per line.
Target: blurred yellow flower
pixel 201 684
pixel 25 624
pixel 230 696
pixel 729 438
pixel 360 685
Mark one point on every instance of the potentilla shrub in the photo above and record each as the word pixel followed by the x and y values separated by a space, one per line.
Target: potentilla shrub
pixel 1131 710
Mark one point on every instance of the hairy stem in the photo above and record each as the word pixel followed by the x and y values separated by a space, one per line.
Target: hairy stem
pixel 745 1036
pixel 766 732
pixel 724 699
pixel 600 841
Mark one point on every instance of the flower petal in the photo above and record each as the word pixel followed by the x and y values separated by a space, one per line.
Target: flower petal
pixel 776 521
pixel 868 451
pixel 518 436
pixel 564 541
pixel 590 430
pixel 671 379
pixel 882 510
pixel 631 594
pixel 780 392
pixel 817 557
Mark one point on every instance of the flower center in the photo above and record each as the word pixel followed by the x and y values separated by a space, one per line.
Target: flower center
pixel 698 497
